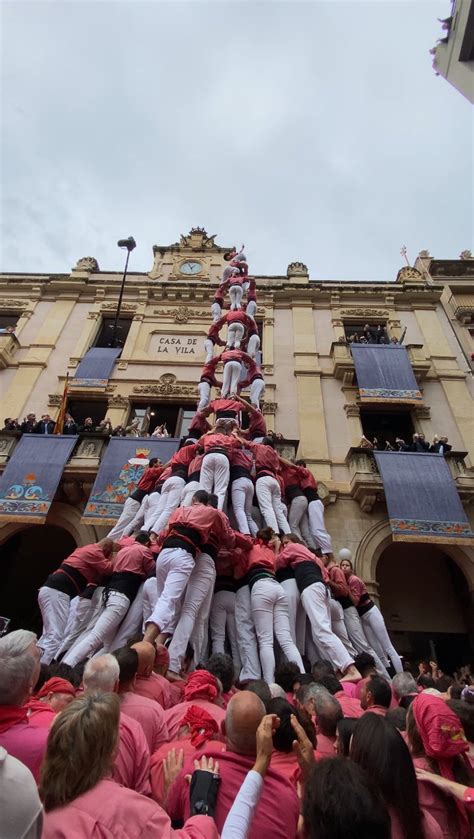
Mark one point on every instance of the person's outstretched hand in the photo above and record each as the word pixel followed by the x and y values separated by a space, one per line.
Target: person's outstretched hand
pixel 205 764
pixel 264 736
pixel 302 747
pixel 172 765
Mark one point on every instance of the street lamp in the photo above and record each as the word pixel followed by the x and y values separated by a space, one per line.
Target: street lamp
pixel 130 245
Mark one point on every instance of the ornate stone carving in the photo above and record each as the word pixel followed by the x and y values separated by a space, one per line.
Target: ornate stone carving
pixel 351 409
pixel 466 255
pixel 269 407
pixel 422 412
pixel 167 385
pixel 424 254
pixel 54 400
pixel 364 313
pixel 125 307
pixel 118 401
pixel 197 239
pixel 87 263
pixel 8 303
pixel 297 269
pixel 183 314
pixel 93 315
pixel 409 274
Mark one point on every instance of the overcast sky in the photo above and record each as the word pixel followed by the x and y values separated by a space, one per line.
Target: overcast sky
pixel 312 131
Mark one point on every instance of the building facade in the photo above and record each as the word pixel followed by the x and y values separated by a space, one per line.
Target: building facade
pixel 454 52
pixel 311 398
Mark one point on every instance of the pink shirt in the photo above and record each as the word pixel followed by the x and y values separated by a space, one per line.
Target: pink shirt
pixel 150 716
pixel 325 745
pixel 440 805
pixel 157 778
pixel 27 742
pixel 136 559
pixel 110 811
pixel 276 816
pixel 91 562
pixel 132 763
pixel 154 687
pixel 174 716
pixel 40 713
pixel 350 707
pixel 431 828
pixel 287 765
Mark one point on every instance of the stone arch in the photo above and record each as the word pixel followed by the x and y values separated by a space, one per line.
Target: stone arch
pixel 379 536
pixel 61 515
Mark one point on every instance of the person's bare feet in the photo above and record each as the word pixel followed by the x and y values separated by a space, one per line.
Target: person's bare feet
pixel 351 675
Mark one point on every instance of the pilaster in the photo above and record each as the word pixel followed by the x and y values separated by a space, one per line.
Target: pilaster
pixel 313 438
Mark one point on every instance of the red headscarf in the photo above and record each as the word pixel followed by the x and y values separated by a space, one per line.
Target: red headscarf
pixel 201 685
pixel 443 739
pixel 56 685
pixel 202 726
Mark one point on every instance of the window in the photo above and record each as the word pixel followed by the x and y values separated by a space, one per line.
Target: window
pixel 387 425
pixel 357 329
pixel 8 321
pixel 106 331
pixel 82 408
pixel 176 417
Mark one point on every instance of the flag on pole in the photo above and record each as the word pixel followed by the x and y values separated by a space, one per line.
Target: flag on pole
pixel 62 410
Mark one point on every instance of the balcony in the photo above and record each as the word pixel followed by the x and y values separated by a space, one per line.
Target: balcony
pixel 366 486
pixel 9 344
pixel 343 364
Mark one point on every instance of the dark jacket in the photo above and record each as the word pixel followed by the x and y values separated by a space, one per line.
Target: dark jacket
pixel 28 427
pixel 70 428
pixel 435 447
pixel 45 427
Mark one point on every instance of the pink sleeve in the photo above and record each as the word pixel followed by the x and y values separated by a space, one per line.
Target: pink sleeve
pixel 161 729
pixel 141 769
pixel 282 559
pixel 197 827
pixel 356 589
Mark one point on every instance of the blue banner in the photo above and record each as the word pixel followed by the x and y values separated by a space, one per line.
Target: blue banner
pixel 422 499
pixel 384 374
pixel 95 368
pixel 117 478
pixel 32 475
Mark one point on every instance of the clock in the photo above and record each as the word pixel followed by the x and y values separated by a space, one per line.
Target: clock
pixel 190 268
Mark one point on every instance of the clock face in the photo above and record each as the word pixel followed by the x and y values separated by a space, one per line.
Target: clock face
pixel 190 268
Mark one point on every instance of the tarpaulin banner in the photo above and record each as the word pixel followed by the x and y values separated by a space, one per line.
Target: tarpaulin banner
pixel 117 478
pixel 95 368
pixel 32 475
pixel 422 499
pixel 384 373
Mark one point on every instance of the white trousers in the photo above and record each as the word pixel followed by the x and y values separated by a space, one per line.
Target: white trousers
pixel 378 637
pixel 204 389
pixel 209 348
pixel 296 613
pixel 235 295
pixel 315 600
pixel 91 617
pixel 338 625
pixel 246 637
pixel 188 492
pixel 253 345
pixel 150 596
pixel 130 508
pixel 242 500
pixel 104 630
pixel 216 312
pixel 215 471
pixel 270 613
pixel 317 527
pixel 173 569
pixel 54 607
pixel 230 378
pixel 251 309
pixel 235 333
pixel 298 519
pixel 147 509
pixel 130 626
pixel 269 499
pixel 222 620
pixel 200 583
pixel 359 641
pixel 79 613
pixel 256 391
pixel 170 498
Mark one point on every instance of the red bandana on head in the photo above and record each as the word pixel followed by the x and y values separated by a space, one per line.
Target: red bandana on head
pixel 201 725
pixel 201 685
pixel 56 685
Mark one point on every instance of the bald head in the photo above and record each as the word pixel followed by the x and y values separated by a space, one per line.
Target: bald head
pixel 245 712
pixel 146 657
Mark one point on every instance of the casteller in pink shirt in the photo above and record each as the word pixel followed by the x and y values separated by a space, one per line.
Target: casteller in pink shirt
pixel 350 707
pixel 26 742
pixel 154 687
pixel 110 810
pixel 149 714
pixel 174 716
pixel 132 763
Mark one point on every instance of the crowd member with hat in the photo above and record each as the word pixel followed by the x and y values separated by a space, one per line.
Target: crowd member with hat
pixel 202 690
pixel 55 695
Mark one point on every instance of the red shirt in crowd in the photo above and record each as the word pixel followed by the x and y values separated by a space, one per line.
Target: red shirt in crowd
pixel 91 562
pixel 132 762
pixel 184 456
pixel 337 581
pixel 293 553
pixel 219 441
pixel 306 478
pixel 136 558
pixel 154 687
pixel 261 555
pixel 267 461
pixel 150 477
pixel 149 714
pixel 207 521
pixel 229 406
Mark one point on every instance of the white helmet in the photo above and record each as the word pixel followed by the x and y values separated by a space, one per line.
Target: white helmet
pixel 345 553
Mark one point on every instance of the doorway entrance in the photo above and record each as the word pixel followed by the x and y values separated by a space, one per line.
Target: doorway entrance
pixel 26 560
pixel 425 601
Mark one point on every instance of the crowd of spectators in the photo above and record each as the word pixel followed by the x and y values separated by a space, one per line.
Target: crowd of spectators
pixel 439 445
pixel 46 425
pixel 372 334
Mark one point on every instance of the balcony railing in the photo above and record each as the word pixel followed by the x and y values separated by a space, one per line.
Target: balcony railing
pixel 343 364
pixel 366 485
